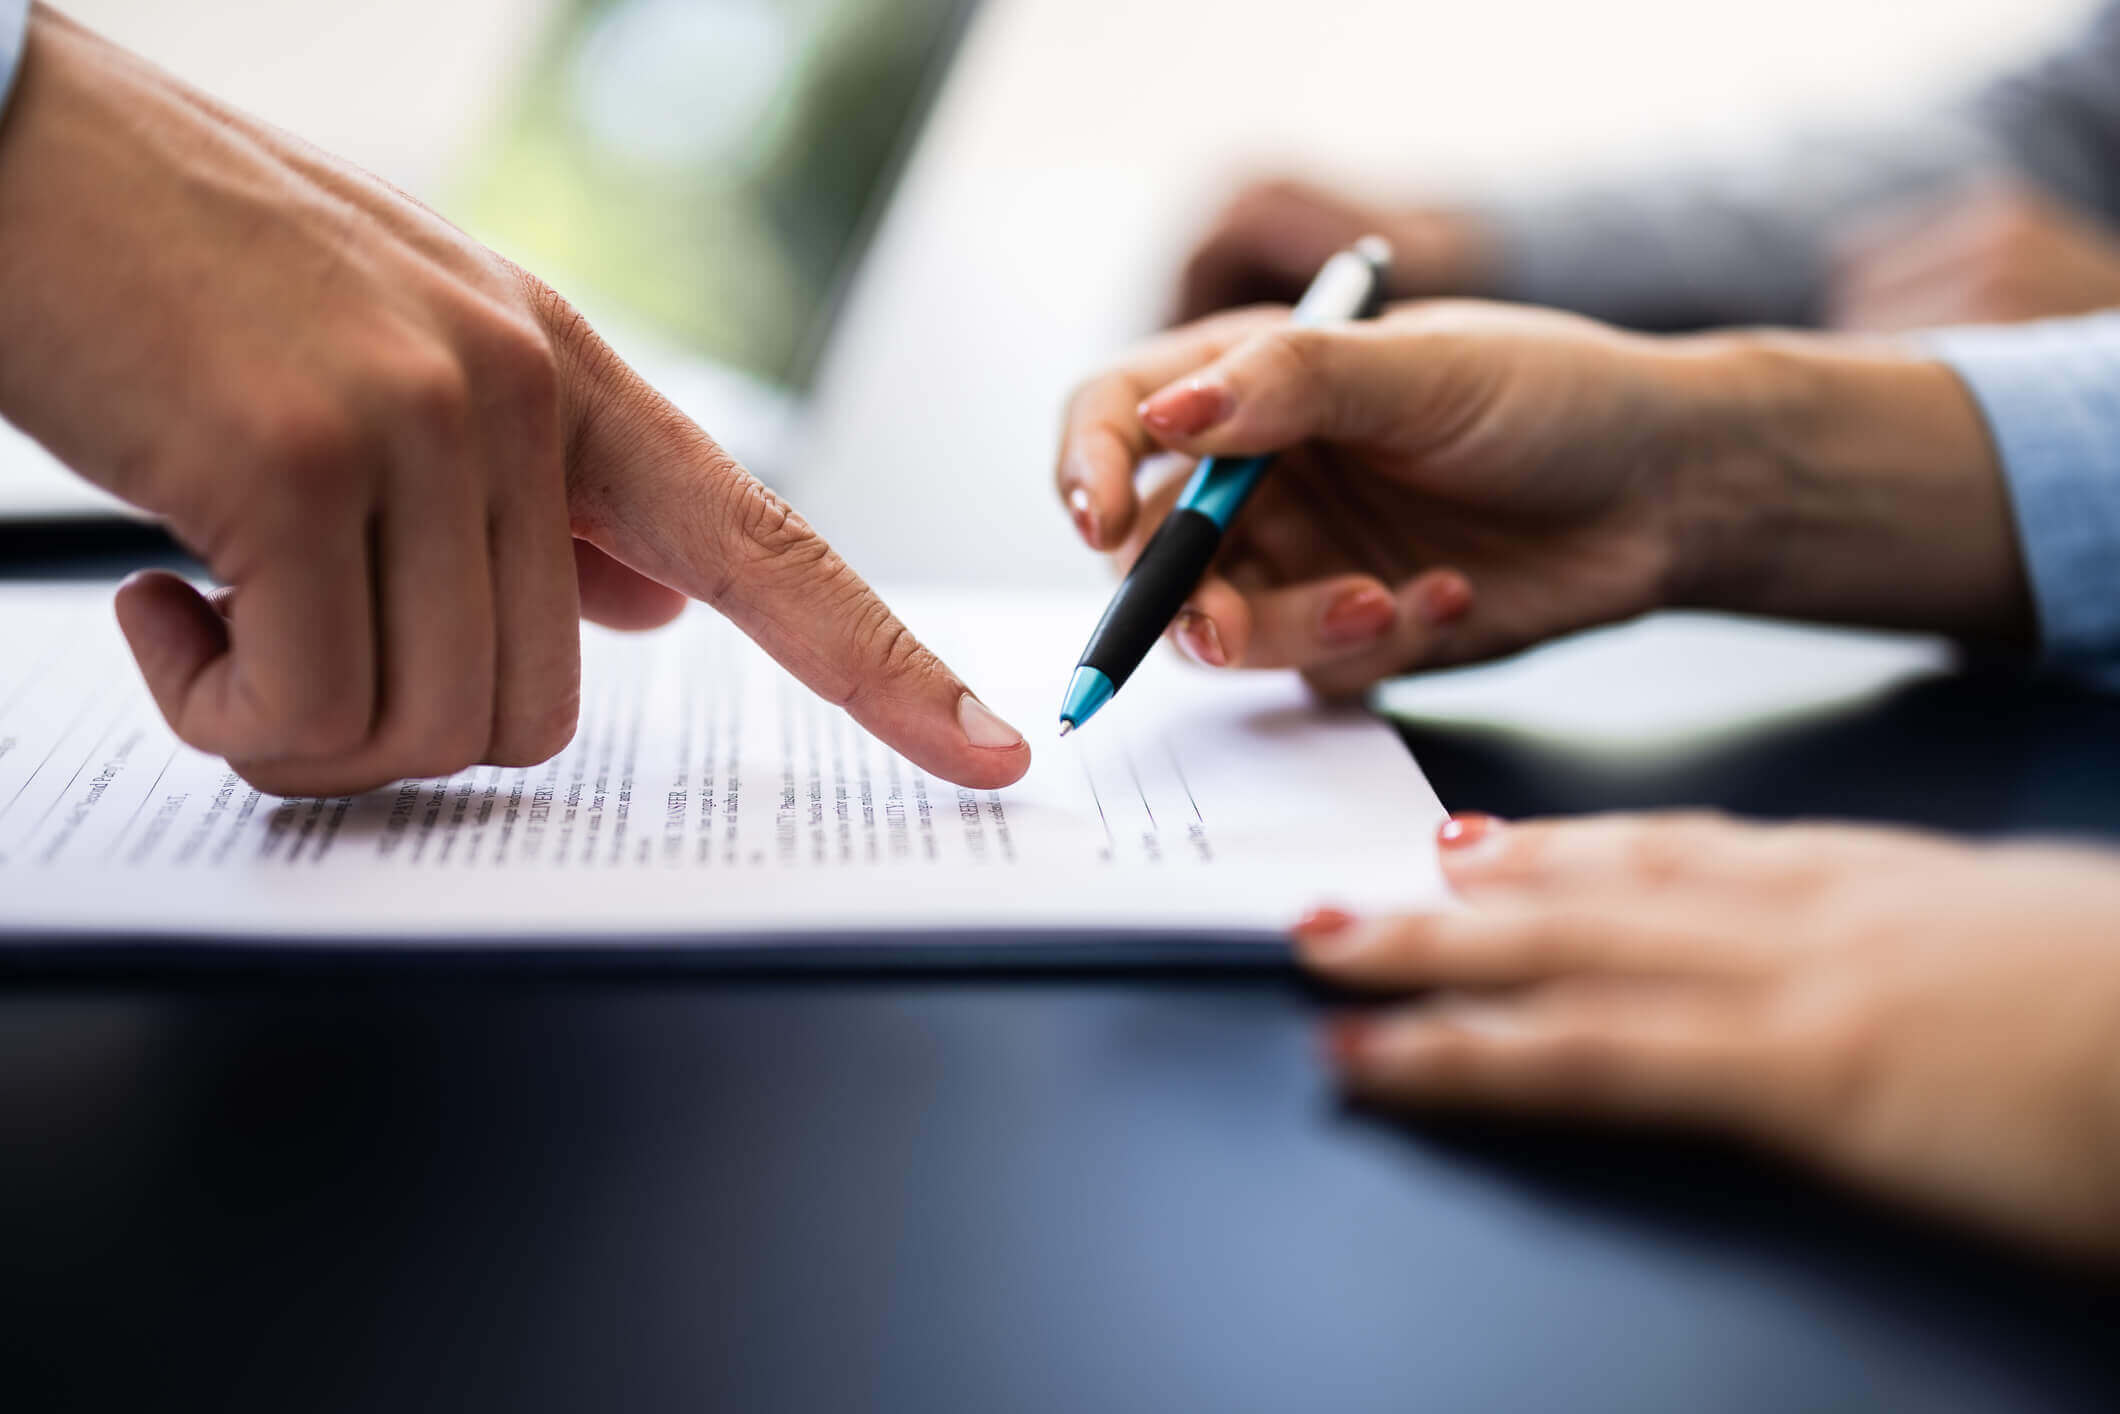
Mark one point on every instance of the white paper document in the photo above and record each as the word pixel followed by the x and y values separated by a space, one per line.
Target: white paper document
pixel 708 798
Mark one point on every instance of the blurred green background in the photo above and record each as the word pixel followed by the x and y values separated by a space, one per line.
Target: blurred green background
pixel 704 166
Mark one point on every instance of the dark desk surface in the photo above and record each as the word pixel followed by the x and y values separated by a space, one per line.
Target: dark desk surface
pixel 391 1189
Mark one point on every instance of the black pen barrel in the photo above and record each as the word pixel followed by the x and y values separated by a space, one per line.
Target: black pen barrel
pixel 1170 568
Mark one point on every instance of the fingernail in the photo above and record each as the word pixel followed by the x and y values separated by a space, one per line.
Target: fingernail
pixel 1347 1041
pixel 982 728
pixel 1324 932
pixel 1358 616
pixel 1462 833
pixel 1085 518
pixel 1445 599
pixel 1200 640
pixel 1187 409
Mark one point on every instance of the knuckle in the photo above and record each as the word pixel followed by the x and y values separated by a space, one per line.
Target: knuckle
pixel 522 369
pixel 1294 360
pixel 329 728
pixel 263 478
pixel 1287 354
pixel 766 521
pixel 771 529
pixel 432 390
pixel 1665 849
pixel 768 542
pixel 304 444
pixel 886 643
pixel 1657 857
pixel 541 733
pixel 890 642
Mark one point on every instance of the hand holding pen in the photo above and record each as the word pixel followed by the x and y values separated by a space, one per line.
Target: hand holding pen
pixel 1459 480
pixel 1349 286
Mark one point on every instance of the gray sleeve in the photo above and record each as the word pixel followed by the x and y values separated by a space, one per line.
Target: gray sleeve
pixel 1746 242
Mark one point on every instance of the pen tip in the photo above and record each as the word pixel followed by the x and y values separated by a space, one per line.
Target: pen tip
pixel 1066 726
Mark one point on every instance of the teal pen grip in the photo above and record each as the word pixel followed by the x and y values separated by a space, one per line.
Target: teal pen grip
pixel 1219 488
pixel 1350 285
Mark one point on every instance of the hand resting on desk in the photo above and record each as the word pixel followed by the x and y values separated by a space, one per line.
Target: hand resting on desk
pixel 412 464
pixel 1933 1021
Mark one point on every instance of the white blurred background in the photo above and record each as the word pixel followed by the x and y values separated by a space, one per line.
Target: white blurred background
pixel 1177 89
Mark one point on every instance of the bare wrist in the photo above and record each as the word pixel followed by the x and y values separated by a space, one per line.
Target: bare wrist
pixel 1843 481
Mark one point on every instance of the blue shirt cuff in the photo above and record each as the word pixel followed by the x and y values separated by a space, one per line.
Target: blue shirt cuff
pixel 2050 393
pixel 14 30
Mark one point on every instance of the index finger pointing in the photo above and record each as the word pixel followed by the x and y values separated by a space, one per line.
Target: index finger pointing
pixel 652 490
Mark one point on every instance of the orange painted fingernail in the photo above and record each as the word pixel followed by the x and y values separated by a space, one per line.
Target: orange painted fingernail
pixel 1187 409
pixel 1462 832
pixel 1200 640
pixel 1326 932
pixel 1323 922
pixel 1358 616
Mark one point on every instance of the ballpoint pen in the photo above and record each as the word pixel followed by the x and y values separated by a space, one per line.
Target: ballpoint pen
pixel 1348 286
